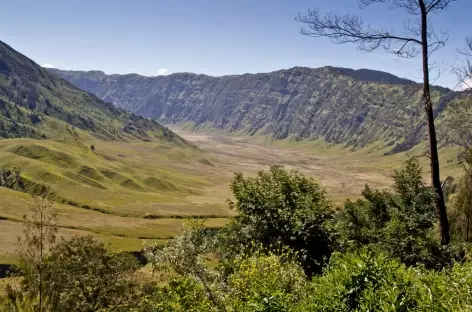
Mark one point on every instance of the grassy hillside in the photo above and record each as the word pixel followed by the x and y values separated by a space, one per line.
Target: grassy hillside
pixel 122 233
pixel 33 102
pixel 122 192
pixel 119 177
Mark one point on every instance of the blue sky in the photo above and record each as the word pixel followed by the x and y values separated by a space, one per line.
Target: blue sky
pixel 215 37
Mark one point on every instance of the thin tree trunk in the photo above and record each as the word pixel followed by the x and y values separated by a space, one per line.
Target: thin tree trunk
pixel 435 176
pixel 467 218
pixel 41 263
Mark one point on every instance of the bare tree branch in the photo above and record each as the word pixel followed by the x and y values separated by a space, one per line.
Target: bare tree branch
pixel 411 6
pixel 438 5
pixel 350 29
pixel 464 71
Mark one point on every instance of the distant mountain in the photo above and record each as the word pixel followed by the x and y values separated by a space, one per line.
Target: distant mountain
pixel 371 75
pixel 354 107
pixel 37 104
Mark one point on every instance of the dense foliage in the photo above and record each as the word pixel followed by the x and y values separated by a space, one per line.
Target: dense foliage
pixel 287 249
pixel 461 201
pixel 400 223
pixel 82 275
pixel 365 281
pixel 282 209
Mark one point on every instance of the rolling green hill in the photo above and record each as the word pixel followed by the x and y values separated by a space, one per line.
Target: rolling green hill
pixel 91 154
pixel 117 176
pixel 338 105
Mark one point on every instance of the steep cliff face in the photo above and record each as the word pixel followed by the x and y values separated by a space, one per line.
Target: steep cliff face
pixel 337 104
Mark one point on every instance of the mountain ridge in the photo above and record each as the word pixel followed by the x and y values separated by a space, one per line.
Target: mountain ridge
pixel 34 102
pixel 361 72
pixel 353 107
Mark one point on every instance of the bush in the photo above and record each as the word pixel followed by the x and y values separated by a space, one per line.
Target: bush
pixel 21 303
pixel 265 283
pixel 360 223
pixel 80 274
pixel 461 212
pixel 400 223
pixel 281 208
pixel 364 281
pixel 258 282
pixel 185 257
pixel 181 294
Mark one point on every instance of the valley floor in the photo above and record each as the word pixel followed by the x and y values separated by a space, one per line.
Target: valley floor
pixel 343 171
pixel 118 187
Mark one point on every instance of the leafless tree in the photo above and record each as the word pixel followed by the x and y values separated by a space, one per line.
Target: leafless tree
pixel 464 71
pixel 40 232
pixel 462 122
pixel 418 38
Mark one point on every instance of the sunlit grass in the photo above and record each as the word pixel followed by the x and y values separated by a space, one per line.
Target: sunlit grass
pixel 127 193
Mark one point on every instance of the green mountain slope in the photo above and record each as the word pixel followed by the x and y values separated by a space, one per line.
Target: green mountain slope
pixel 112 174
pixel 33 103
pixel 354 107
pixel 88 152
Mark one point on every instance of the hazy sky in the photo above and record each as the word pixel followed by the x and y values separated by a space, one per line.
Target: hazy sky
pixel 215 37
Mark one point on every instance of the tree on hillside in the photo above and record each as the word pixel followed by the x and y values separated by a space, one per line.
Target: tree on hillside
pixel 281 208
pixel 418 38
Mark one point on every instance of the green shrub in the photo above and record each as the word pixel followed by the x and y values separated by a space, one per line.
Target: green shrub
pixel 265 283
pixel 461 210
pixel 364 281
pixel 400 223
pixel 80 274
pixel 185 259
pixel 259 282
pixel 21 303
pixel 181 294
pixel 279 209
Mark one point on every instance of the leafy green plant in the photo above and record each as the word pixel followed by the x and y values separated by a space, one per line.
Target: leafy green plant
pixel 22 303
pixel 82 275
pixel 281 208
pixel 186 256
pixel 366 281
pixel 265 282
pixel 400 223
pixel 181 294
pixel 461 212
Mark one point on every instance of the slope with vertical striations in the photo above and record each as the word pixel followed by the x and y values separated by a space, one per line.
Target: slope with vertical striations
pixel 339 105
